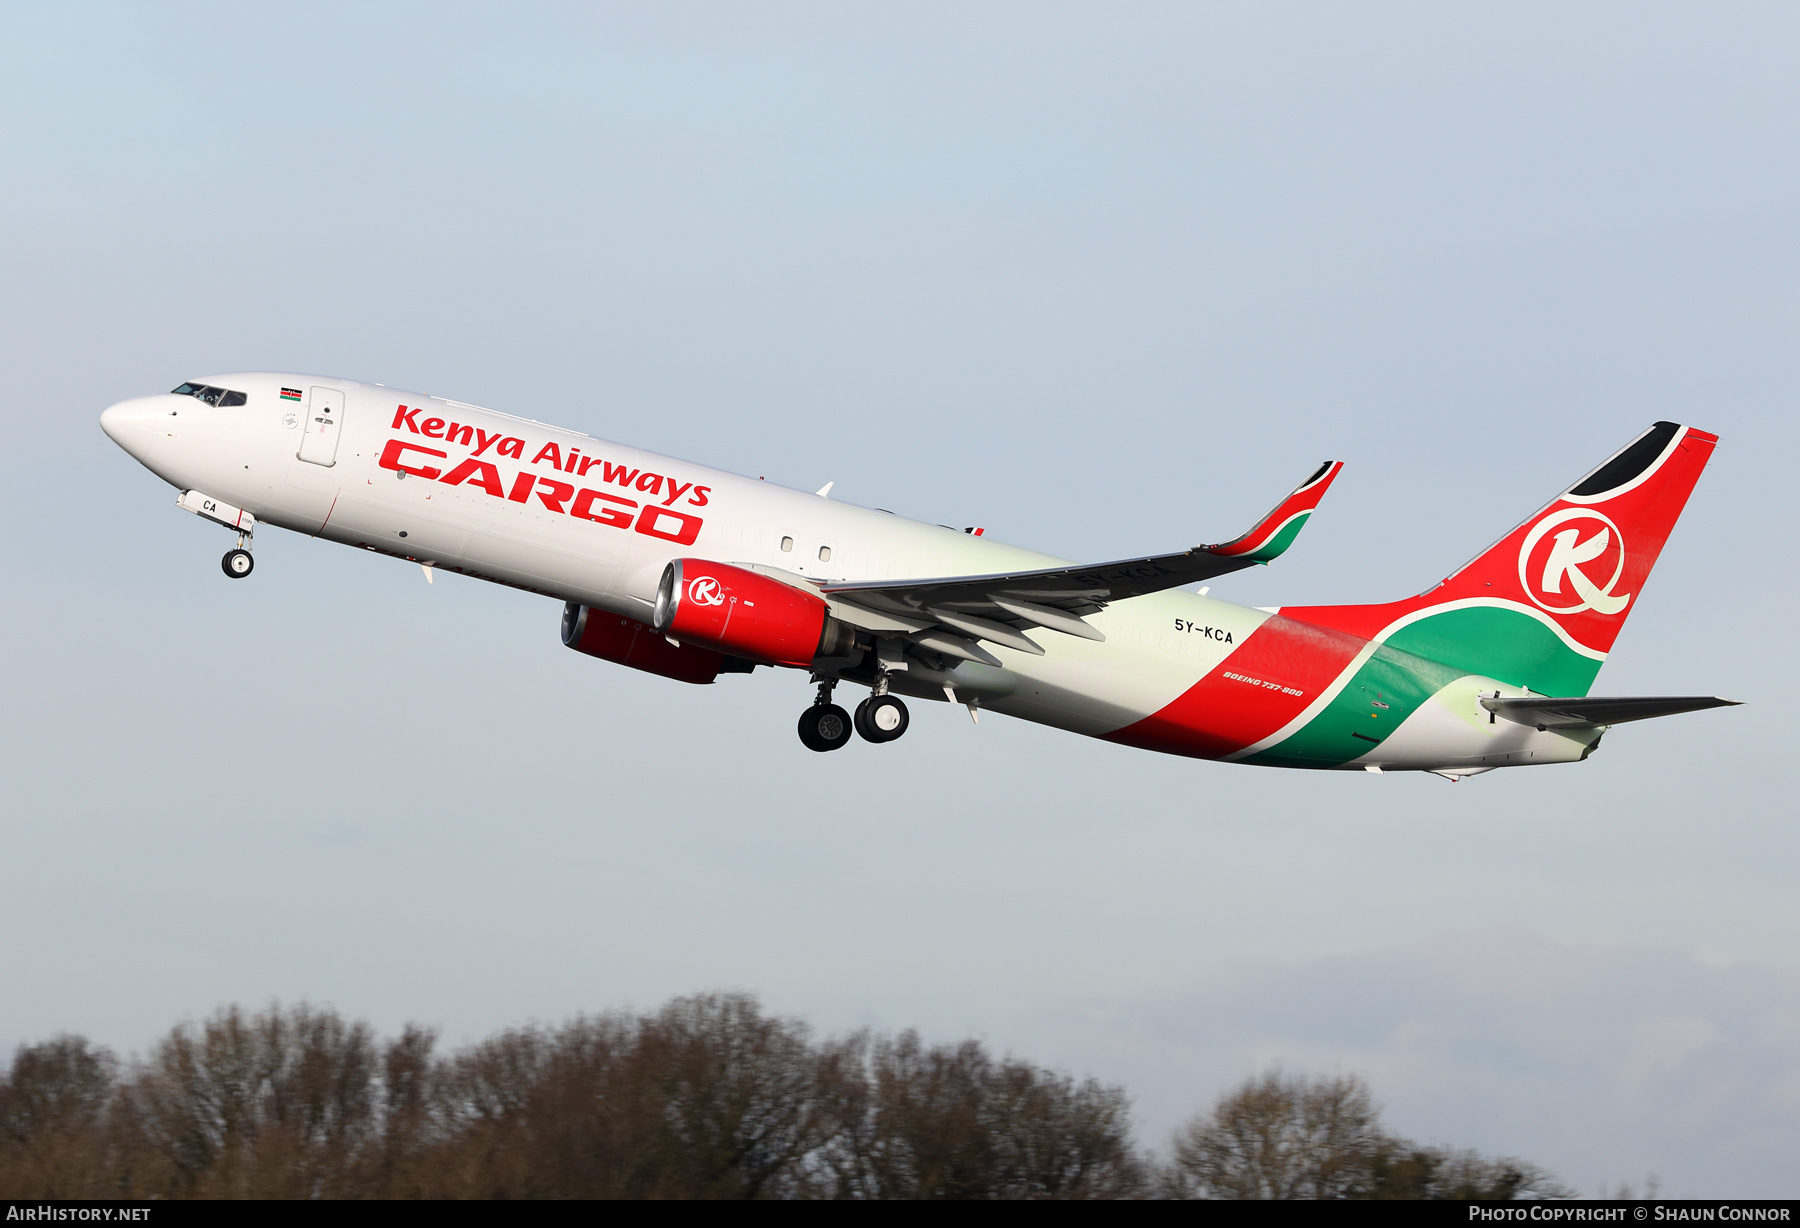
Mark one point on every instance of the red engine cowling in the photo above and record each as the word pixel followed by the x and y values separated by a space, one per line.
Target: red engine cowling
pixel 612 637
pixel 716 605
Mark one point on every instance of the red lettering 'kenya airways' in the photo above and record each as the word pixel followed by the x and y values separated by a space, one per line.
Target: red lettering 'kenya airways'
pixel 691 573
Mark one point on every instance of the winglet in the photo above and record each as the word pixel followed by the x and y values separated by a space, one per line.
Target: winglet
pixel 1275 532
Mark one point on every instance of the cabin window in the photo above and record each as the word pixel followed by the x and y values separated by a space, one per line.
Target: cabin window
pixel 787 544
pixel 824 554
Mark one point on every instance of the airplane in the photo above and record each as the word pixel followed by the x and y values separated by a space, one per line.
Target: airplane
pixel 692 573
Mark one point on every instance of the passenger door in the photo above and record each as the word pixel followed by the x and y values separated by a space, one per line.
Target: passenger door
pixel 324 422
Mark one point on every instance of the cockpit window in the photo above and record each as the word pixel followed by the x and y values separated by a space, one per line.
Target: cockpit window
pixel 211 395
pixel 201 392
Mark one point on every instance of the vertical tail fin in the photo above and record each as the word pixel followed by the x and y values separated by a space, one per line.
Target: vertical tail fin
pixel 1541 607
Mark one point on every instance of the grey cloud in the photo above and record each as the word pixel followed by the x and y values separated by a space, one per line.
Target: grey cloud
pixel 1600 1062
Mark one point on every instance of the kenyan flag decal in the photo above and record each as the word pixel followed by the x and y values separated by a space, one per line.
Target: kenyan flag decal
pixel 290 394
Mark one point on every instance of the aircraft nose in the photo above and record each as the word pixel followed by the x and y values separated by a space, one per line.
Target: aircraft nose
pixel 121 421
pixel 112 420
pixel 138 425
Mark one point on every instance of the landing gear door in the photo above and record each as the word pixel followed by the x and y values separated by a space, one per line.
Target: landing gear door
pixel 324 422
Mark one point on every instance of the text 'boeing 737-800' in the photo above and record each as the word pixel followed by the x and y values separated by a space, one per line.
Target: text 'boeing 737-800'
pixel 690 573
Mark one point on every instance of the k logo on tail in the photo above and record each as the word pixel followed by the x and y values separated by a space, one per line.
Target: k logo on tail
pixel 1558 569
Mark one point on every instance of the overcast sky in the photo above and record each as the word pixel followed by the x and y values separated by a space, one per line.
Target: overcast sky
pixel 1104 279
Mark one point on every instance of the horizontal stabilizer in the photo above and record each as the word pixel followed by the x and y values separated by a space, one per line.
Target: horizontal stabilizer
pixel 1592 710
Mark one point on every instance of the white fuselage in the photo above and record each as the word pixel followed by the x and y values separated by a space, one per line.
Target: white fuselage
pixel 1156 646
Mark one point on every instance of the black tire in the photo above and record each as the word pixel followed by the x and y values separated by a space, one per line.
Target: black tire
pixel 824 727
pixel 882 718
pixel 237 564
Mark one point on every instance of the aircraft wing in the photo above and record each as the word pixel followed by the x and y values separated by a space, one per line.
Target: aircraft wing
pixel 947 613
pixel 1593 710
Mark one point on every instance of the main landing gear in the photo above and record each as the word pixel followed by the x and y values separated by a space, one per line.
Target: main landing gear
pixel 824 726
pixel 879 718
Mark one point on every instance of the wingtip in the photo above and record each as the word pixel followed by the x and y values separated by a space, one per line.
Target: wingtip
pixel 1274 533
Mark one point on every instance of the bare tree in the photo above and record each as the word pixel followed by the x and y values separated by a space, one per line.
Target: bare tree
pixel 909 1120
pixel 736 1090
pixel 408 1075
pixel 949 1121
pixel 1062 1139
pixel 53 1105
pixel 1401 1169
pixel 1280 1136
pixel 707 1097
pixel 477 1127
pixel 278 1104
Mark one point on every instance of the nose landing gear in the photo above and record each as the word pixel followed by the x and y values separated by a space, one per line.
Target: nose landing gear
pixel 237 562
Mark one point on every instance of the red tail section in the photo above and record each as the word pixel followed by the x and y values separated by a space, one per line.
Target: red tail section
pixel 1583 560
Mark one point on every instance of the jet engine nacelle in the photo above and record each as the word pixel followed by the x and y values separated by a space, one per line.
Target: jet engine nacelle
pixel 612 637
pixel 716 605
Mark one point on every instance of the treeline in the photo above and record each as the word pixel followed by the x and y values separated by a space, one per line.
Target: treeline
pixel 708 1097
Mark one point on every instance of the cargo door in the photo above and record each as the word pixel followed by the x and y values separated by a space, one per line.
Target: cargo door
pixel 324 422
